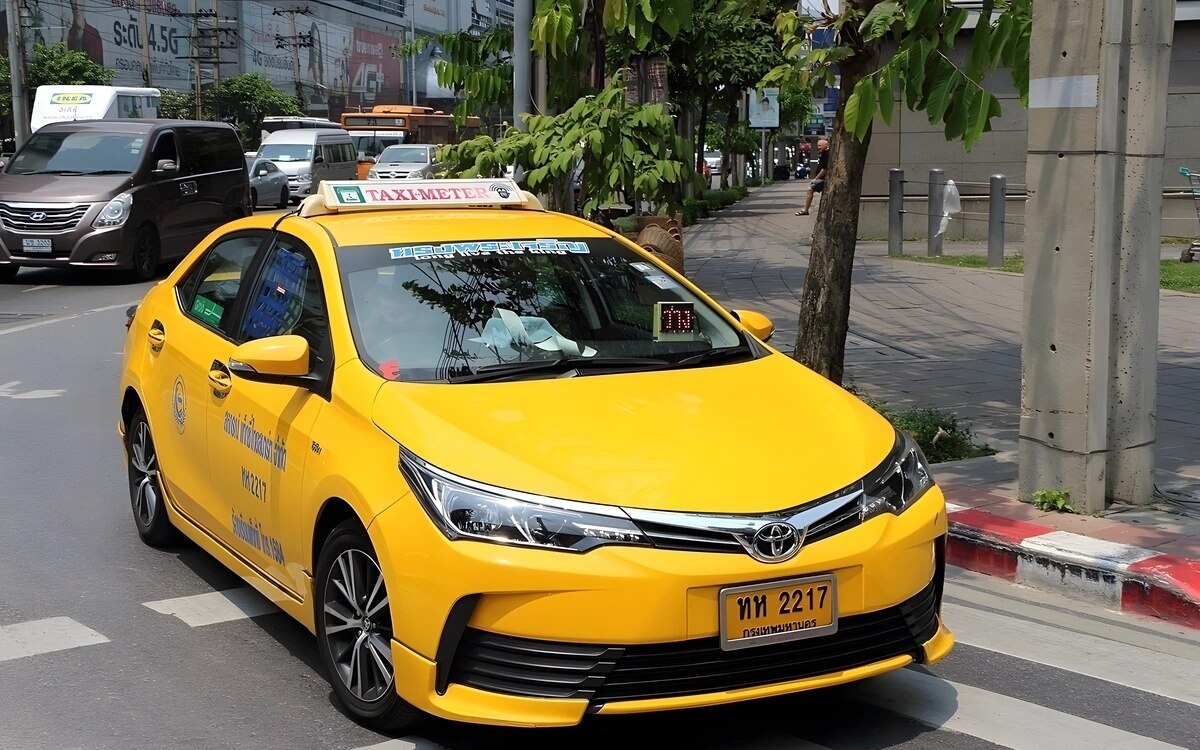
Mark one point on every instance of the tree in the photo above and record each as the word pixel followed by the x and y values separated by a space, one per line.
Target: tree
pixel 574 36
pixel 50 66
pixel 176 106
pixel 884 50
pixel 244 100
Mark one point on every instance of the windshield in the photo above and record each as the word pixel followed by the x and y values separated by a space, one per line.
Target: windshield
pixel 439 312
pixel 283 152
pixel 404 155
pixel 87 153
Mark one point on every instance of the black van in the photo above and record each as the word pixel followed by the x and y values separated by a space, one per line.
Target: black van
pixel 125 194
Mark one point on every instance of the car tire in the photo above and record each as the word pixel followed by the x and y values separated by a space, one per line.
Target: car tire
pixel 146 497
pixel 8 273
pixel 355 638
pixel 147 254
pixel 285 197
pixel 253 199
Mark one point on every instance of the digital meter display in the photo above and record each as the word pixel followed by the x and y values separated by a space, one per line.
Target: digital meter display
pixel 676 317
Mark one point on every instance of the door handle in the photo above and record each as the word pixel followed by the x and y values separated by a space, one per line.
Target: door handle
pixel 220 379
pixel 157 335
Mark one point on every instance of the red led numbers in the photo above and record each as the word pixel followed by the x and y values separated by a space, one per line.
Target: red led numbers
pixel 677 317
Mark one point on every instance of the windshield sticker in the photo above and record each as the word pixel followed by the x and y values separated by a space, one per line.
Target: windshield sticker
pixel 390 369
pixel 475 249
pixel 663 282
pixel 208 311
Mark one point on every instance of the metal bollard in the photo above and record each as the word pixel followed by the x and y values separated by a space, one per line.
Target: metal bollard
pixel 896 212
pixel 997 195
pixel 937 184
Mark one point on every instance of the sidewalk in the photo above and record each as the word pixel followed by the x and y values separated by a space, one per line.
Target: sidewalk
pixel 950 337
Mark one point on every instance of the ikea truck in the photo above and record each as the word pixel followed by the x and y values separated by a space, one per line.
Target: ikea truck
pixel 66 103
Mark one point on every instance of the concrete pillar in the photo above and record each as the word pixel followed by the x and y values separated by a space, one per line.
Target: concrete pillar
pixel 1097 124
pixel 522 60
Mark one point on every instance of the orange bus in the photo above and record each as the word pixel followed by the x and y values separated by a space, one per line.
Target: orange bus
pixel 389 124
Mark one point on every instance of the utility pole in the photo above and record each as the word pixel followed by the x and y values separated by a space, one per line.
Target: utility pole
pixel 1097 131
pixel 295 42
pixel 205 45
pixel 522 59
pixel 20 99
pixel 144 25
pixel 412 60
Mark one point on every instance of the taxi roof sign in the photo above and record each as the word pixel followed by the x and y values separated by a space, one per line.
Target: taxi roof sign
pixel 357 195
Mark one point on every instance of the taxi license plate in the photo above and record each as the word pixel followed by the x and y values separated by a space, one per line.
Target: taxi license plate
pixel 778 611
pixel 31 245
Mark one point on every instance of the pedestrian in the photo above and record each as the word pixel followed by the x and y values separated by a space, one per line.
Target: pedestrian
pixel 818 183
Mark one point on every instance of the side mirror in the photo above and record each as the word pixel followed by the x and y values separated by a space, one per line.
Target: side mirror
pixel 756 323
pixel 318 159
pixel 165 168
pixel 263 172
pixel 277 359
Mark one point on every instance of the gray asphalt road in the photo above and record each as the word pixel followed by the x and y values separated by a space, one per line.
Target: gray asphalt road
pixel 1031 670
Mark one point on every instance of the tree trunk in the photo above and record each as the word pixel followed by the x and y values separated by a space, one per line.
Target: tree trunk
pixel 825 304
pixel 701 135
pixel 594 71
pixel 728 159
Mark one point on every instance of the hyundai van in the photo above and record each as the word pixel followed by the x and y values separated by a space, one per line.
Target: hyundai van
pixel 118 194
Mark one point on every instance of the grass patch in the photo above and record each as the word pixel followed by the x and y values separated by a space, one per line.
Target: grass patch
pixel 939 433
pixel 1176 276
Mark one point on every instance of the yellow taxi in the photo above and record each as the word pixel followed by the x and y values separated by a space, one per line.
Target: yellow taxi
pixel 510 469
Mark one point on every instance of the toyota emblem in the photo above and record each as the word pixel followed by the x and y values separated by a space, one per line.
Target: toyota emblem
pixel 37 216
pixel 775 542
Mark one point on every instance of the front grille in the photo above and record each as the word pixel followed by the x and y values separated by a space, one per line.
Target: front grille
pixel 58 217
pixel 391 174
pixel 602 674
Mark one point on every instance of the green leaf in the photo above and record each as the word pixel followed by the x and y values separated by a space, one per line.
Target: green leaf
pixel 941 89
pixel 979 119
pixel 912 12
pixel 955 18
pixel 959 112
pixel 648 10
pixel 887 77
pixel 914 74
pixel 879 20
pixel 860 108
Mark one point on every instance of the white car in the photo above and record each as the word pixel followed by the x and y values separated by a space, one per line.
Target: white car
pixel 396 162
pixel 713 160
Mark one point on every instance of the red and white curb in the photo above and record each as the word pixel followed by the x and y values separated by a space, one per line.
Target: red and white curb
pixel 1120 576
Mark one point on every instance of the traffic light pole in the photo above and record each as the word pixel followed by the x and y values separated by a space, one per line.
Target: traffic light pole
pixel 20 100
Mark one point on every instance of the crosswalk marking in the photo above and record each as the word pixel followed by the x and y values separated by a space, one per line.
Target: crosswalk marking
pixel 1131 666
pixel 45 636
pixel 215 606
pixel 996 718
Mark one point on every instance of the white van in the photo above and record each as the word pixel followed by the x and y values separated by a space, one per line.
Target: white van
pixel 67 103
pixel 308 156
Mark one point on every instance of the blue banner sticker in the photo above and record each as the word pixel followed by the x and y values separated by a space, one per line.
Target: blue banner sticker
pixel 478 249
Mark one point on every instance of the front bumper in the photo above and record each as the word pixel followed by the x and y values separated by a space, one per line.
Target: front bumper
pixel 526 637
pixel 80 245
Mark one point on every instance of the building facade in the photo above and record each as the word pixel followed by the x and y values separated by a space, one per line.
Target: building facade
pixel 335 55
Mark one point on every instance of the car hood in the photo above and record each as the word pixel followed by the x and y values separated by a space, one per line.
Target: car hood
pixel 409 165
pixel 51 188
pixel 749 437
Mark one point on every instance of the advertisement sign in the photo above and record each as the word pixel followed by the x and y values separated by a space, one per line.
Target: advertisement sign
pixel 764 108
pixel 111 33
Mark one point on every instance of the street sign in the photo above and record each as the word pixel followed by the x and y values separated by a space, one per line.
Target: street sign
pixel 815 124
pixel 764 108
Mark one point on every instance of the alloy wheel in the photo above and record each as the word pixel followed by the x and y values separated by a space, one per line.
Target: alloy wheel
pixel 145 465
pixel 358 625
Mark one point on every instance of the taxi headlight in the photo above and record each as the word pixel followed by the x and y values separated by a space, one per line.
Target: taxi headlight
pixel 464 509
pixel 373 174
pixel 116 213
pixel 899 481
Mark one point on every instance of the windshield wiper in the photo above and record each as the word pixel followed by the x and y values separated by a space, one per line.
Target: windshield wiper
pixel 504 370
pixel 714 355
pixel 52 171
pixel 109 171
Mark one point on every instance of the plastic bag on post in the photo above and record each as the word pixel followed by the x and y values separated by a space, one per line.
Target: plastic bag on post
pixel 951 204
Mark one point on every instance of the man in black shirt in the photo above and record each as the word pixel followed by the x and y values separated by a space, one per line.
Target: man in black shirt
pixel 818 183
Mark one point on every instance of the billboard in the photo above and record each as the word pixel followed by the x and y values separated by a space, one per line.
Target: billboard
pixel 111 33
pixel 764 108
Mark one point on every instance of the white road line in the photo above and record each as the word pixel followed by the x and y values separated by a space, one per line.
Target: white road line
pixel 215 606
pixel 993 717
pixel 45 636
pixel 39 287
pixel 48 321
pixel 414 744
pixel 1132 666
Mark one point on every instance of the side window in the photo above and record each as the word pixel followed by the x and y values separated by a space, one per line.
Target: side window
pixel 164 148
pixel 347 152
pixel 288 300
pixel 209 291
pixel 209 150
